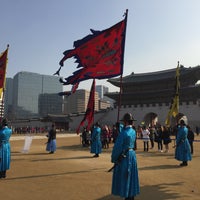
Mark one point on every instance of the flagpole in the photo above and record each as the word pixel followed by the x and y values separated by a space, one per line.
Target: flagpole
pixel 120 90
pixel 94 80
pixel 120 96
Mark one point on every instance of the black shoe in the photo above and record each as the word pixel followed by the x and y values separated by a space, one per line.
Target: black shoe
pixel 51 152
pixel 96 155
pixel 3 174
pixel 129 198
pixel 183 164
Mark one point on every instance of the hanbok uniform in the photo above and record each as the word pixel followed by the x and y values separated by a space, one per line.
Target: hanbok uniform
pixel 5 134
pixel 51 144
pixel 125 182
pixel 183 151
pixel 96 144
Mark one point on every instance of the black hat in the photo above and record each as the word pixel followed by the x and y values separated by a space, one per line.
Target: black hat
pixel 182 122
pixel 128 117
pixel 97 124
pixel 4 122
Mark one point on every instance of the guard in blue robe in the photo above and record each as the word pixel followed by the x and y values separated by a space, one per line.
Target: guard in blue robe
pixel 125 181
pixel 96 145
pixel 183 151
pixel 5 134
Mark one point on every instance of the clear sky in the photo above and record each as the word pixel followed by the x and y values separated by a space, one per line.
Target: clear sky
pixel 159 33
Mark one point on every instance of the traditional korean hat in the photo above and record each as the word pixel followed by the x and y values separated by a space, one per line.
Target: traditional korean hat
pixel 4 122
pixel 128 117
pixel 97 124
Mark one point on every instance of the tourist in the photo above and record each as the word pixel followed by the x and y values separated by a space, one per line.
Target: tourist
pixel 114 133
pixel 51 143
pixel 182 152
pixel 152 136
pixel 106 137
pixel 139 131
pixel 5 134
pixel 125 182
pixel 190 138
pixel 145 137
pixel 84 138
pixel 96 144
pixel 166 138
pixel 159 138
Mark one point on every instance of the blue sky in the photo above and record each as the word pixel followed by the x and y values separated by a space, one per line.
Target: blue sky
pixel 159 33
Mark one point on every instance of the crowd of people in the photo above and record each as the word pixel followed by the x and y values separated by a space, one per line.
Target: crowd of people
pixel 151 136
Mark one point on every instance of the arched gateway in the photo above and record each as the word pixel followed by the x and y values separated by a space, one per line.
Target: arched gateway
pixel 147 93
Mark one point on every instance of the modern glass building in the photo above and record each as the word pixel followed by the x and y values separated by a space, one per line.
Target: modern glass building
pixel 8 97
pixel 27 87
pixel 50 104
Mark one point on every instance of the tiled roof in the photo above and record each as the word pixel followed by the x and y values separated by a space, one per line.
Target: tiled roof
pixel 155 76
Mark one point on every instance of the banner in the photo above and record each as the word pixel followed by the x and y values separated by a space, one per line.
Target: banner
pixel 89 114
pixel 3 64
pixel 27 144
pixel 174 108
pixel 100 55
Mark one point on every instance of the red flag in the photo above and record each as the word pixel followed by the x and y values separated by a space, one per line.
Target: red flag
pixel 89 114
pixel 3 64
pixel 100 54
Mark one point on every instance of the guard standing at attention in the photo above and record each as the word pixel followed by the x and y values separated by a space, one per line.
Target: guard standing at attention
pixel 96 145
pixel 183 151
pixel 5 134
pixel 125 182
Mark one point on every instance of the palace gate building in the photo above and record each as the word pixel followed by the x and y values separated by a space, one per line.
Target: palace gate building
pixel 148 95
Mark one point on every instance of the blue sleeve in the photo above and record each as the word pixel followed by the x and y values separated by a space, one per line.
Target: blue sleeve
pixel 117 149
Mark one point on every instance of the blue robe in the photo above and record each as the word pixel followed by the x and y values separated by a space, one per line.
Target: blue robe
pixel 5 134
pixel 125 181
pixel 96 145
pixel 51 144
pixel 182 152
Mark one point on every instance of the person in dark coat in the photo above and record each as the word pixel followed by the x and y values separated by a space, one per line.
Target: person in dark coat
pixel 51 143
pixel 5 134
pixel 190 138
pixel 166 138
pixel 158 138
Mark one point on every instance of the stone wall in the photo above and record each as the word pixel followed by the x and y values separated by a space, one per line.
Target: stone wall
pixel 109 117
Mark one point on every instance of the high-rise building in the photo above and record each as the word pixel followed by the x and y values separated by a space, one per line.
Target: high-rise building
pixel 50 104
pixel 8 98
pixel 26 90
pixel 101 89
pixel 104 101
pixel 77 102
